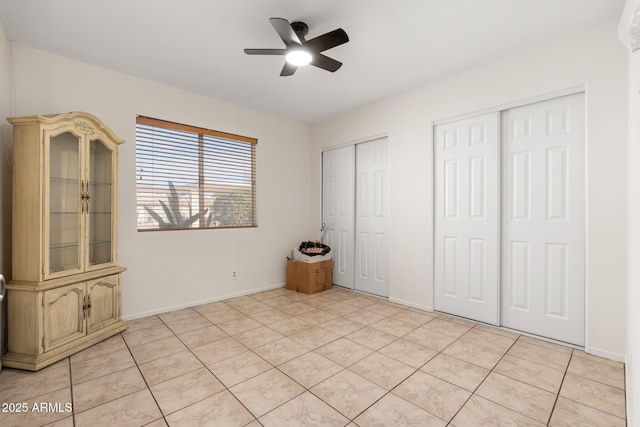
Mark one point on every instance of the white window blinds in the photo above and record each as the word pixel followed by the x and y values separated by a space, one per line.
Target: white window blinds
pixel 190 177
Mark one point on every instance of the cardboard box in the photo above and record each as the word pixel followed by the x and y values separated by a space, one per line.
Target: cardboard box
pixel 309 278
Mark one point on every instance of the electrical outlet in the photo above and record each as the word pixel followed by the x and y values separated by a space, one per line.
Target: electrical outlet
pixel 234 274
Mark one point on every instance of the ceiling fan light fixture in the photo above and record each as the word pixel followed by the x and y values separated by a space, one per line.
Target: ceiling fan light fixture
pixel 298 57
pixel 299 51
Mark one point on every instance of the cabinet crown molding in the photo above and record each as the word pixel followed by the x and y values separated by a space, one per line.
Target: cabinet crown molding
pixel 85 123
pixel 84 127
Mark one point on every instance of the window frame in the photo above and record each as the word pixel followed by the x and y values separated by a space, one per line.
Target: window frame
pixel 201 183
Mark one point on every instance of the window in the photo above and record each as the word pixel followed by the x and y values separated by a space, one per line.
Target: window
pixel 189 177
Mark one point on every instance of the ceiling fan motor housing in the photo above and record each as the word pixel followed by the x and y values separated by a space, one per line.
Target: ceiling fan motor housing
pixel 300 28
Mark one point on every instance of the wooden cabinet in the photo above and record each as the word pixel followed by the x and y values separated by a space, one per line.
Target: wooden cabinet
pixel 65 294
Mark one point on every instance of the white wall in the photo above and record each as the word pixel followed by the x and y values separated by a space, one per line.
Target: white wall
pixel 173 269
pixel 592 58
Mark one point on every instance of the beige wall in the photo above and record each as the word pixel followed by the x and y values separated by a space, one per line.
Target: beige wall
pixel 593 59
pixel 173 269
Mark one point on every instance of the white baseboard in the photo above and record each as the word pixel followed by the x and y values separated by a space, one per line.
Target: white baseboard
pixel 200 302
pixel 410 304
pixel 606 354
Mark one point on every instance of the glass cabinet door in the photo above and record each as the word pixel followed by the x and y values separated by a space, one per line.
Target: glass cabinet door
pixel 64 203
pixel 100 203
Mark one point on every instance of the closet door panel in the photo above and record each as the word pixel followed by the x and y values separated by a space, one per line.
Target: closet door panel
pixel 544 212
pixel 372 210
pixel 338 210
pixel 467 217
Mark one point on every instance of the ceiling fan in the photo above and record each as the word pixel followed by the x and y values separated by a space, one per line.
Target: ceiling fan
pixel 299 51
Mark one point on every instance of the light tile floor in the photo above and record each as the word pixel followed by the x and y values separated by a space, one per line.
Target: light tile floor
pixel 337 358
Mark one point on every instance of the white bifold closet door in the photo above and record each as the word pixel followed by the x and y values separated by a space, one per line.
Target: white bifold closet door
pixel 521 265
pixel 372 210
pixel 355 207
pixel 467 255
pixel 543 240
pixel 338 210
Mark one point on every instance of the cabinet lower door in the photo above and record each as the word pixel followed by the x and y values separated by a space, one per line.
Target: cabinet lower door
pixel 63 315
pixel 103 307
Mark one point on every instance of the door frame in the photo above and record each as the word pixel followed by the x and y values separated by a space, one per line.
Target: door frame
pixel 519 103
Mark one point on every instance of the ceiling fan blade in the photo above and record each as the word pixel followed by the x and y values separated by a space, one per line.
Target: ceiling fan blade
pixel 284 30
pixel 288 69
pixel 327 41
pixel 326 63
pixel 265 51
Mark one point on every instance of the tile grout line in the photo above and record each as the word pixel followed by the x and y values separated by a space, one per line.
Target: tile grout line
pixel 566 371
pixel 419 369
pixel 144 379
pixel 387 392
pixel 101 376
pixel 473 393
pixel 277 367
pixel 347 367
pixel 73 410
pixel 208 369
pixel 514 379
pixel 226 388
pixel 441 352
pixel 390 391
pixel 331 376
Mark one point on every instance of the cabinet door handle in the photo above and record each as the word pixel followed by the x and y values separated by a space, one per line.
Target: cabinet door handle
pixel 84 308
pixel 88 305
pixel 83 196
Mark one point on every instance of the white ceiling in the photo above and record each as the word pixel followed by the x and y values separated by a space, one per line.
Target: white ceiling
pixel 197 45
